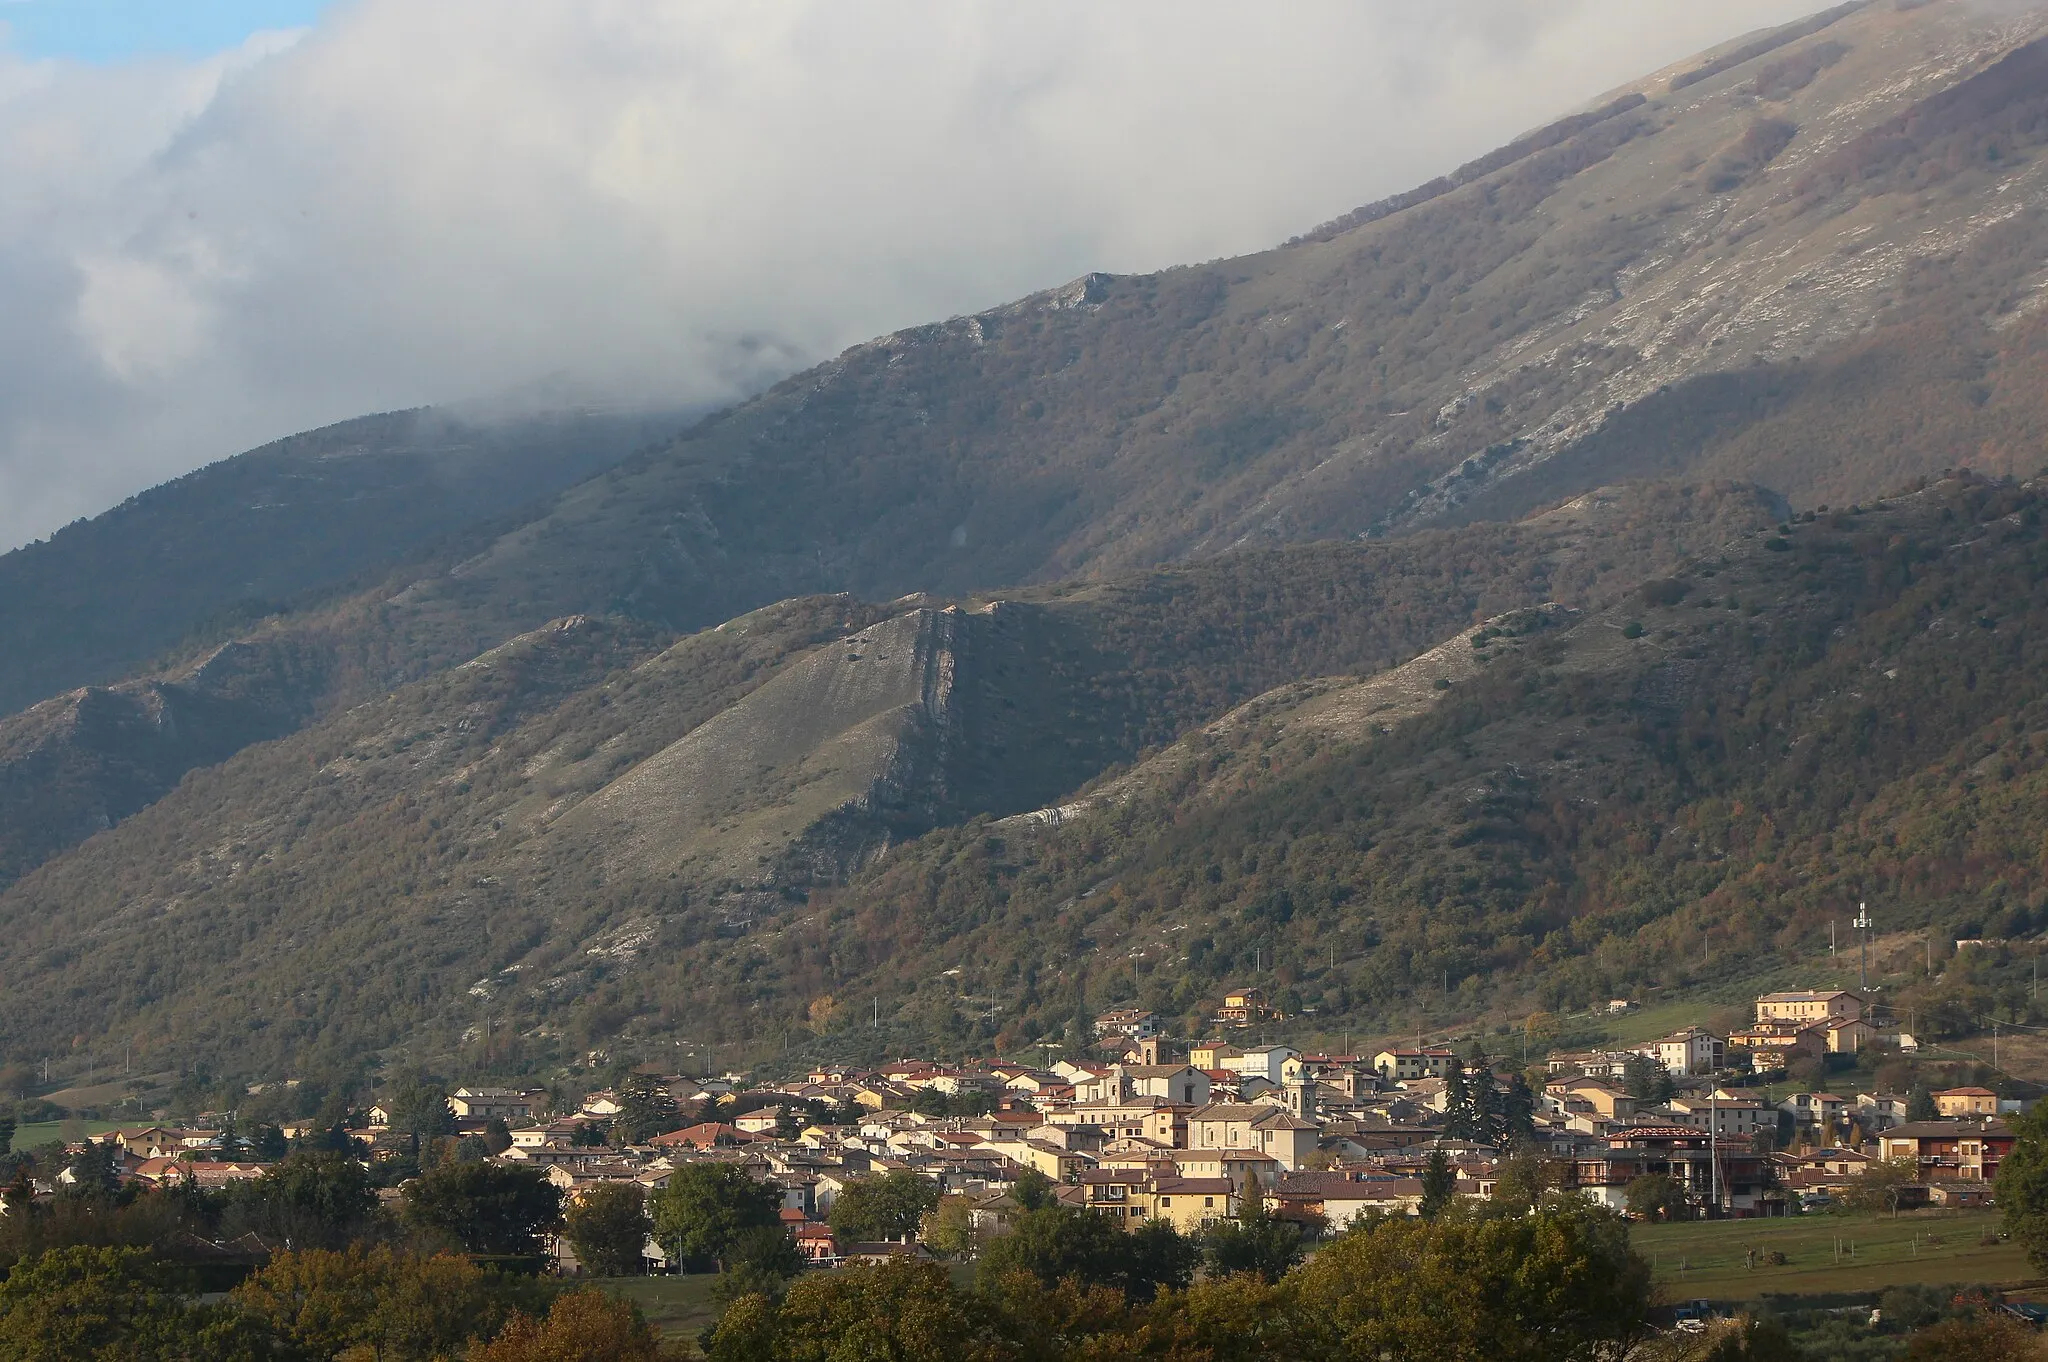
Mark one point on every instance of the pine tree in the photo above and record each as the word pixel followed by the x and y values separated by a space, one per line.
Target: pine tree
pixel 1460 1119
pixel 1487 1126
pixel 1518 1112
pixel 1439 1184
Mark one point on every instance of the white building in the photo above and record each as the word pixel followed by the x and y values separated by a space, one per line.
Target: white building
pixel 1687 1053
pixel 1264 1061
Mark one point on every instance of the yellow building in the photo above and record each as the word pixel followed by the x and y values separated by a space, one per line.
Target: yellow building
pixel 1808 1006
pixel 1966 1102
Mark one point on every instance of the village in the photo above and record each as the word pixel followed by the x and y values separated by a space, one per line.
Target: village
pixel 1145 1129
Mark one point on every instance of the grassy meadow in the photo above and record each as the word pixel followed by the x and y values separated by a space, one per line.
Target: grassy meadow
pixel 1830 1253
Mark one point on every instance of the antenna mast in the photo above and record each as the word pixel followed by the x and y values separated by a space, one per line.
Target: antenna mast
pixel 1862 924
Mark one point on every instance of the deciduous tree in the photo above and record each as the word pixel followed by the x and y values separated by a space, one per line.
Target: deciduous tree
pixel 1657 1196
pixel 706 1207
pixel 581 1326
pixel 1254 1242
pixel 607 1226
pixel 485 1207
pixel 1558 1284
pixel 886 1208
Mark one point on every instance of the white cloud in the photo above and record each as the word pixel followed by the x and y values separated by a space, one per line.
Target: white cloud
pixel 424 200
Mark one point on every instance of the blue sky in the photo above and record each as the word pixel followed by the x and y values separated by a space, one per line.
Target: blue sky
pixel 110 30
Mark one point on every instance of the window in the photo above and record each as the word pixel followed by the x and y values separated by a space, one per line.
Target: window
pixel 1208 1201
pixel 1166 1201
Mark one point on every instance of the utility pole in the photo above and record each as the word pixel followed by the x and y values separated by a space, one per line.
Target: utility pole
pixel 1714 1148
pixel 1831 938
pixel 1862 923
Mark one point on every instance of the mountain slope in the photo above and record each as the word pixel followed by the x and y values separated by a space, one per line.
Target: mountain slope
pixel 240 538
pixel 532 828
pixel 1733 256
pixel 526 774
pixel 1680 788
pixel 1812 260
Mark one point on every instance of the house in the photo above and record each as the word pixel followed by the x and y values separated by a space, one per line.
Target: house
pixel 1347 1075
pixel 1261 1061
pixel 1838 1163
pixel 1133 1023
pixel 817 1244
pixel 1966 1102
pixel 1191 1205
pixel 1239 1167
pixel 1055 1161
pixel 1210 1054
pixel 1606 1101
pixel 1806 1006
pixel 1687 1053
pixel 1117 1193
pixel 1398 1065
pixel 762 1122
pixel 1136 1118
pixel 1686 1155
pixel 958 1082
pixel 495 1104
pixel 1591 1063
pixel 1180 1083
pixel 1880 1111
pixel 1949 1151
pixel 1773 1045
pixel 150 1142
pixel 1268 1129
pixel 708 1135
pixel 1848 1035
pixel 1344 1199
pixel 1738 1120
pixel 560 1134
pixel 1818 1114
pixel 165 1171
pixel 1244 1007
pixel 380 1116
pixel 1030 1082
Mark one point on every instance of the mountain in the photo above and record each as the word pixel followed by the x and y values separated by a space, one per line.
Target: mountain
pixel 1816 268
pixel 1675 791
pixel 711 740
pixel 1811 260
pixel 525 832
pixel 239 540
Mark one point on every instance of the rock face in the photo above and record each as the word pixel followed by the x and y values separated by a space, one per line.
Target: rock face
pixel 78 764
pixel 854 733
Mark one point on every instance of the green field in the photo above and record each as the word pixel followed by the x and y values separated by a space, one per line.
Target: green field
pixel 43 1132
pixel 1707 1259
pixel 681 1307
